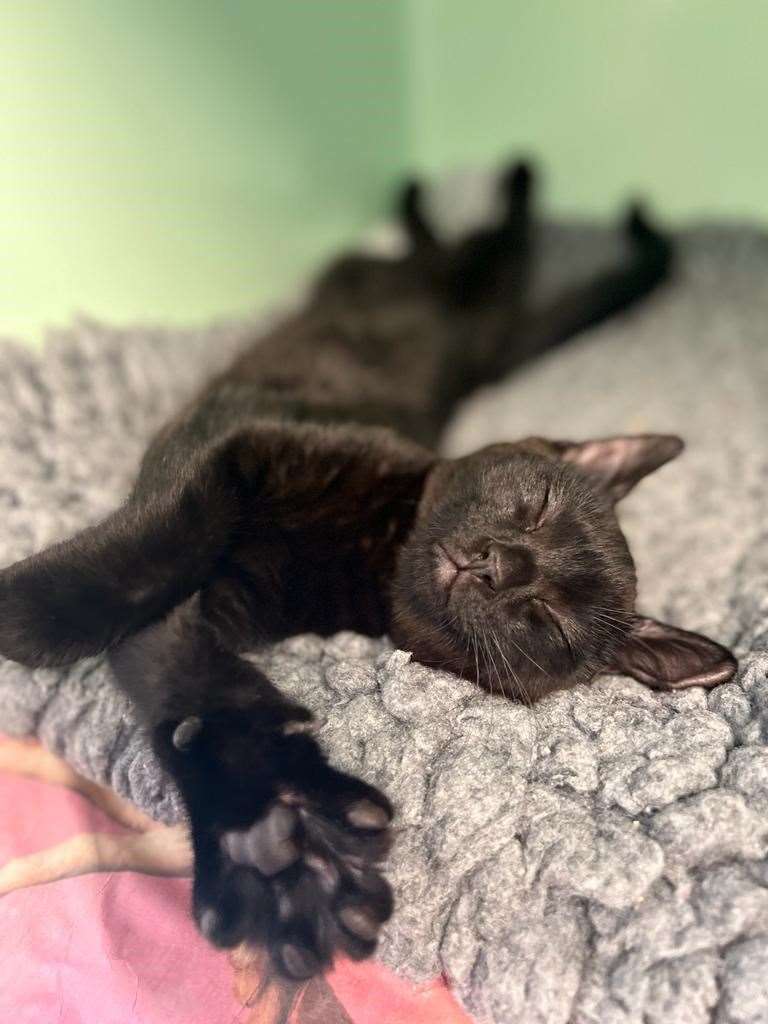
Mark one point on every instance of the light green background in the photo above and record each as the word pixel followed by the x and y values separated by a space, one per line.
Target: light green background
pixel 179 159
pixel 173 160
pixel 665 97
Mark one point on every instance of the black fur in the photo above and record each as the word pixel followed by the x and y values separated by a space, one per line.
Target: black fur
pixel 300 492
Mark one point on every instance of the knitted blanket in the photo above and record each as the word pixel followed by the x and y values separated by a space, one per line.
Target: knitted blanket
pixel 600 857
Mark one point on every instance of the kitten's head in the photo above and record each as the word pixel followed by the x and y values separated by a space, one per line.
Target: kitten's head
pixel 517 574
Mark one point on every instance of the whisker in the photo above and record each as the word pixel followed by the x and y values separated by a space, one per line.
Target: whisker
pixel 526 655
pixel 610 621
pixel 503 658
pixel 522 689
pixel 625 620
pixel 526 698
pixel 491 659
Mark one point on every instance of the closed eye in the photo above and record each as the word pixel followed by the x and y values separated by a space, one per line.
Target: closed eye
pixel 543 512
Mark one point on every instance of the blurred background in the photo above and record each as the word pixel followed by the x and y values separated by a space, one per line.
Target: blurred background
pixel 182 160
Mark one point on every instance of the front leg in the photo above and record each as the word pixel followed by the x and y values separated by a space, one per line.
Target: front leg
pixel 287 849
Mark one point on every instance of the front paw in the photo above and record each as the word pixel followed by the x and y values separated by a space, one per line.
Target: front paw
pixel 299 871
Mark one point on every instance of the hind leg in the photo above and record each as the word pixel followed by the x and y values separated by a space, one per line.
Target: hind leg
pixel 517 186
pixel 512 333
pixel 492 266
pixel 606 294
pixel 410 212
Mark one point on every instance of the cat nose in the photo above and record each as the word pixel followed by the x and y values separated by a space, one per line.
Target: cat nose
pixel 504 566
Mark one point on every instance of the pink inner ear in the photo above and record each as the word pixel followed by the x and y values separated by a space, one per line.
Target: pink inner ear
pixel 621 462
pixel 603 457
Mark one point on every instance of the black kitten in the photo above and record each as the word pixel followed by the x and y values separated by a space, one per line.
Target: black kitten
pixel 299 492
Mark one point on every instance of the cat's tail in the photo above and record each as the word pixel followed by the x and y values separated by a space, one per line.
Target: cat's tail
pixel 80 596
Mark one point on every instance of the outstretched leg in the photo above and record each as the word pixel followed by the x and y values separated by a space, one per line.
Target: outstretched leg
pixel 80 596
pixel 492 265
pixel 501 334
pixel 287 848
pixel 517 184
pixel 605 295
pixel 488 261
pixel 410 211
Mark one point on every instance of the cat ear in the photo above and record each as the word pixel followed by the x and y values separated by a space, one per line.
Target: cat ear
pixel 666 658
pixel 618 463
pixel 437 480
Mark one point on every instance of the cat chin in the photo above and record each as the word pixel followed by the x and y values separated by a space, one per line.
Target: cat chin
pixel 427 645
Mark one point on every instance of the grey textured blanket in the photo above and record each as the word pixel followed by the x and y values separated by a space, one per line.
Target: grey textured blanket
pixel 598 858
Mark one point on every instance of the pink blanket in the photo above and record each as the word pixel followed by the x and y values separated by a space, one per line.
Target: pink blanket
pixel 120 948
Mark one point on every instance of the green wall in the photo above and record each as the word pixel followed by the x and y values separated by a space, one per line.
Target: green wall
pixel 173 160
pixel 662 97
pixel 178 159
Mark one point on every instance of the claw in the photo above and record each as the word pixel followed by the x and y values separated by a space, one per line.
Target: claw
pixel 368 815
pixel 209 924
pixel 327 875
pixel 359 923
pixel 186 731
pixel 299 962
pixel 311 728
